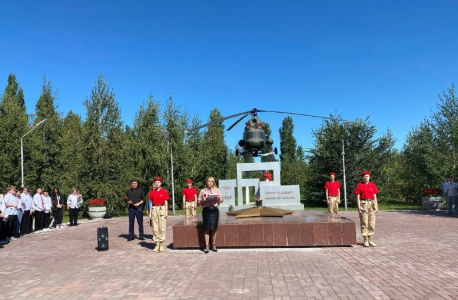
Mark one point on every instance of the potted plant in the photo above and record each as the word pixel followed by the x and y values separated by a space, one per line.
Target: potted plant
pixel 97 208
pixel 432 198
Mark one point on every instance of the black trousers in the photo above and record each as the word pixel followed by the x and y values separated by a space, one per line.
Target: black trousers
pixel 39 219
pixel 2 229
pixel 73 216
pixel 57 214
pixel 47 220
pixel 31 223
pixel 135 212
pixel 11 226
pixel 25 224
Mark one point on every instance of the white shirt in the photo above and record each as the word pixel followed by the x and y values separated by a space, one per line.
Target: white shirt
pixel 48 203
pixel 26 201
pixel 74 201
pixel 11 199
pixel 2 205
pixel 38 202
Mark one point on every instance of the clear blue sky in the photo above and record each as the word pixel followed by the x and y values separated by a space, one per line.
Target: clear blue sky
pixel 386 59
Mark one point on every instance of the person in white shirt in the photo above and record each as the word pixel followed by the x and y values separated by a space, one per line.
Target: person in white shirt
pixel 452 199
pixel 73 204
pixel 12 204
pixel 47 211
pixel 20 212
pixel 27 205
pixel 39 207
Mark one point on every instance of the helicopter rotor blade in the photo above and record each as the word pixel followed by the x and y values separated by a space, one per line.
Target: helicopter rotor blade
pixel 232 126
pixel 219 121
pixel 297 114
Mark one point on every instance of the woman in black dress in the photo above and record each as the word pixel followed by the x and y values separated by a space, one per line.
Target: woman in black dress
pixel 210 198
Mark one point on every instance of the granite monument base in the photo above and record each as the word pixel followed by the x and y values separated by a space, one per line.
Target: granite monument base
pixel 300 229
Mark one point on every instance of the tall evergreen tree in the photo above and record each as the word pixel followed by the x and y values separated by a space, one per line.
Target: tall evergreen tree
pixel 288 144
pixel 214 149
pixel 13 125
pixel 71 157
pixel 288 153
pixel 103 171
pixel 148 149
pixel 43 166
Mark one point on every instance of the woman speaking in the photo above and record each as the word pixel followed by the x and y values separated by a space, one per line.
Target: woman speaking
pixel 210 198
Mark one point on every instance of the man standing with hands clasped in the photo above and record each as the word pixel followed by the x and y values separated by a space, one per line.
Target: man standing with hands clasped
pixel 332 188
pixel 366 198
pixel 135 198
pixel 158 213
pixel 189 199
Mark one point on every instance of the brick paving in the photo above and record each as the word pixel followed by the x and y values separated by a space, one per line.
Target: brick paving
pixel 416 258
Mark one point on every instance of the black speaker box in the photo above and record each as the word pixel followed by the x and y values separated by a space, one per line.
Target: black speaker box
pixel 102 238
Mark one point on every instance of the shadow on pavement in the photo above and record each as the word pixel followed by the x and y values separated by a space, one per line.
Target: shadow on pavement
pixel 441 213
pixel 147 245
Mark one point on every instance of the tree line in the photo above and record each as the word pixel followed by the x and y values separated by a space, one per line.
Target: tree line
pixel 99 154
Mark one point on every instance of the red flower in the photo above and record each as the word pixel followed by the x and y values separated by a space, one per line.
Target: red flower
pixel 431 192
pixel 97 202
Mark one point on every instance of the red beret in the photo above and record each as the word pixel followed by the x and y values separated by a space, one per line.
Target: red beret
pixel 332 173
pixel 189 180
pixel 365 173
pixel 157 179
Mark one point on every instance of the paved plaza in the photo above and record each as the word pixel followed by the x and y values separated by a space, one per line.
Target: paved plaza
pixel 416 258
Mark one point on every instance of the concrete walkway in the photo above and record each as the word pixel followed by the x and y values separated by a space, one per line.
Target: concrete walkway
pixel 416 258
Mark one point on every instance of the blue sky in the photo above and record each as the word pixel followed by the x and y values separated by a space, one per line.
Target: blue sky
pixel 386 59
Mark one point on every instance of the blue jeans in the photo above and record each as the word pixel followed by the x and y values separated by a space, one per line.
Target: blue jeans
pixel 18 224
pixel 452 200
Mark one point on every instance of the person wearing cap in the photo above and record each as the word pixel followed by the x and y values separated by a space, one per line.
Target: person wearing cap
pixel 451 190
pixel 332 188
pixel 189 199
pixel 158 213
pixel 135 198
pixel 366 199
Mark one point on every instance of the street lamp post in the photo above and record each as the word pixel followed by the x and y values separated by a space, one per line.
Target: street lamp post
pixel 22 149
pixel 167 136
pixel 346 124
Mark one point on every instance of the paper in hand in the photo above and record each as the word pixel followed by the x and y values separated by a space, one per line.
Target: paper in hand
pixel 212 198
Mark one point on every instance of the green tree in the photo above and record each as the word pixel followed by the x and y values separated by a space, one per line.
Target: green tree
pixel 43 166
pixel 290 169
pixel 71 157
pixel 362 152
pixel 288 144
pixel 13 125
pixel 148 150
pixel 104 152
pixel 430 151
pixel 214 149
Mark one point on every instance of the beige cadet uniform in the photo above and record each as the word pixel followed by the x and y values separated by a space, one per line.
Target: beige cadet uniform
pixel 366 194
pixel 159 213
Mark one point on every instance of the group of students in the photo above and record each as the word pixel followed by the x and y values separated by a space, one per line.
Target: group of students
pixel 157 200
pixel 21 213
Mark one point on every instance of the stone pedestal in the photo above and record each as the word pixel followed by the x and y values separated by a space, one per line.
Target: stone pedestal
pixel 301 229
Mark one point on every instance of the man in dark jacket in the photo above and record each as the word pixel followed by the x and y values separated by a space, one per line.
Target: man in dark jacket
pixel 135 198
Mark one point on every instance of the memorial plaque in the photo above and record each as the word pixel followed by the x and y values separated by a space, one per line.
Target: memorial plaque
pixel 280 194
pixel 227 189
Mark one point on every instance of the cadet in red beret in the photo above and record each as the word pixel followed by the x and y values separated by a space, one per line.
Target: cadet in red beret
pixel 366 198
pixel 332 188
pixel 158 213
pixel 189 199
